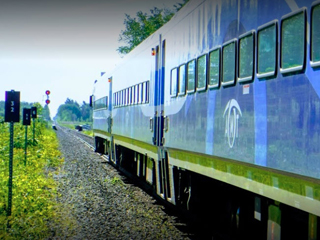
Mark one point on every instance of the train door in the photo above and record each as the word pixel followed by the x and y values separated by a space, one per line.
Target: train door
pixel 159 93
pixel 163 176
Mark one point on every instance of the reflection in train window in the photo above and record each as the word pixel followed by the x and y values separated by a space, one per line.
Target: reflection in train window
pixel 267 50
pixel 173 89
pixel 293 42
pixel 101 103
pixel 214 68
pixel 141 92
pixel 191 69
pixel 202 72
pixel 138 93
pixel 246 57
pixel 147 92
pixel 229 63
pixel 315 35
pixel 182 79
pixel 134 95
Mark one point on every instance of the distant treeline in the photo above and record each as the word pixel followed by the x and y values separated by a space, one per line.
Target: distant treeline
pixel 72 111
pixel 42 112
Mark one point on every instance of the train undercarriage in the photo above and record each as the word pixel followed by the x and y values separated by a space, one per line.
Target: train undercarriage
pixel 215 208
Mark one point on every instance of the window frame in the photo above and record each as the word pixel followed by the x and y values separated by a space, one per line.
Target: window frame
pixel 185 78
pixel 231 82
pixel 248 78
pixel 138 93
pixel 312 63
pixel 142 93
pixel 146 91
pixel 200 89
pixel 274 72
pixel 285 17
pixel 212 86
pixel 176 86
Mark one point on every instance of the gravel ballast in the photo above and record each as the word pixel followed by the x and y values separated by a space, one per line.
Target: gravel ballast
pixel 99 203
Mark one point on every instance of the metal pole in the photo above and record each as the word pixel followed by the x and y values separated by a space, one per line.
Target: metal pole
pixel 10 170
pixel 25 146
pixel 34 131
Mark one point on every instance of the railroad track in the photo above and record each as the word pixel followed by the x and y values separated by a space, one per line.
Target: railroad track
pixel 194 227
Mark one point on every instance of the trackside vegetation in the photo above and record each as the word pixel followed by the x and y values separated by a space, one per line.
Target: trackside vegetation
pixel 34 189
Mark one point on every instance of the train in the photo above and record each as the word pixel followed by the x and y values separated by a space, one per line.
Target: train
pixel 219 111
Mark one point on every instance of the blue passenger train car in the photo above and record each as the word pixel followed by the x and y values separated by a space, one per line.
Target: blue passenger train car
pixel 219 110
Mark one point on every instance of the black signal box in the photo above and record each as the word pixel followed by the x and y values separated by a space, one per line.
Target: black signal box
pixel 12 106
pixel 33 112
pixel 26 116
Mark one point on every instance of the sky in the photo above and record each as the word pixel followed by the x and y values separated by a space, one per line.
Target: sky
pixel 61 45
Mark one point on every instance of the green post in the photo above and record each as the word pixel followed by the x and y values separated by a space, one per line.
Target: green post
pixel 34 129
pixel 25 146
pixel 10 170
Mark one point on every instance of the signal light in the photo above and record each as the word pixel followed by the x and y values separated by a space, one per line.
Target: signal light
pixel 47 92
pixel 47 101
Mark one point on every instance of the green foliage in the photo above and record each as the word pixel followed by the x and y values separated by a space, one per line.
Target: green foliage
pixel 139 28
pixel 72 111
pixel 34 189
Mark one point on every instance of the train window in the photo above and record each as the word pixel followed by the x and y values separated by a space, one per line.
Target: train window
pixel 142 93
pixel 293 42
pixel 267 50
pixel 315 36
pixel 101 103
pixel 134 94
pixel 138 93
pixel 125 97
pixel 202 73
pixel 214 68
pixel 122 97
pixel 117 99
pixel 174 81
pixel 147 92
pixel 246 57
pixel 228 63
pixel 191 76
pixel 182 80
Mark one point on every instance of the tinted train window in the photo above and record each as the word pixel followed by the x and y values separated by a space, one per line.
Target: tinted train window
pixel 229 63
pixel 214 68
pixel 246 57
pixel 147 92
pixel 267 50
pixel 138 93
pixel 202 72
pixel 134 94
pixel 182 79
pixel 191 73
pixel 141 92
pixel 315 36
pixel 101 103
pixel 293 42
pixel 174 81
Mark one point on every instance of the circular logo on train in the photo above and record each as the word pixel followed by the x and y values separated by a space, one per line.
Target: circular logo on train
pixel 232 112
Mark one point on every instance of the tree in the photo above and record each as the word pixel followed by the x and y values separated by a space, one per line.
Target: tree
pixel 139 28
pixel 72 111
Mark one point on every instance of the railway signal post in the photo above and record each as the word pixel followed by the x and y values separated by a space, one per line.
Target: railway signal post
pixel 12 115
pixel 33 116
pixel 26 122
